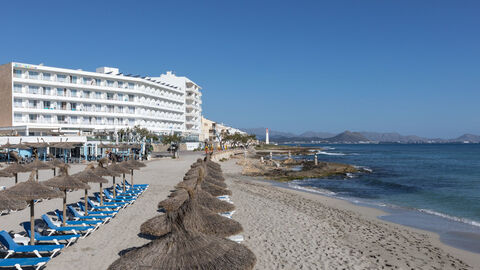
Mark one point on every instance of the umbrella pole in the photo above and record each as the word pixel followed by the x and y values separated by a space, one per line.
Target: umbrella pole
pixel 131 179
pixel 123 182
pixel 37 175
pixel 114 189
pixel 16 178
pixel 101 194
pixel 54 172
pixel 32 221
pixel 86 206
pixel 64 207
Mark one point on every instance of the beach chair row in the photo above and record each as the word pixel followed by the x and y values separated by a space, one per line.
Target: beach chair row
pixel 54 236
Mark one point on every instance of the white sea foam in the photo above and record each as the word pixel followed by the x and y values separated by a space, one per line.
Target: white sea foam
pixel 312 189
pixel 457 219
pixel 330 154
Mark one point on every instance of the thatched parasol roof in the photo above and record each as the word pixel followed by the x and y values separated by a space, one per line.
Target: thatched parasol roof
pixel 38 165
pixel 174 201
pixel 32 190
pixel 88 176
pixel 15 168
pixel 7 203
pixel 195 218
pixel 5 174
pixel 66 182
pixel 208 179
pixel 187 250
pixel 118 168
pixel 55 162
pixel 129 165
pixel 102 170
pixel 213 189
pixel 136 163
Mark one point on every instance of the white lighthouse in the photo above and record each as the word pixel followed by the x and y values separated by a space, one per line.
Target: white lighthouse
pixel 267 141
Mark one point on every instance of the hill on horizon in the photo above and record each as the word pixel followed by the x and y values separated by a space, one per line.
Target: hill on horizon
pixel 348 136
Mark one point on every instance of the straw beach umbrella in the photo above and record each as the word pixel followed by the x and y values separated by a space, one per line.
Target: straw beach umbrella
pixel 115 167
pixel 29 191
pixel 56 163
pixel 187 250
pixel 204 198
pixel 7 203
pixel 37 165
pixel 102 170
pixel 196 218
pixel 5 174
pixel 130 166
pixel 15 168
pixel 65 182
pixel 88 176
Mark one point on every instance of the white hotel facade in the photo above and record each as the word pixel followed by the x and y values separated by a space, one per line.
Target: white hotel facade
pixel 40 100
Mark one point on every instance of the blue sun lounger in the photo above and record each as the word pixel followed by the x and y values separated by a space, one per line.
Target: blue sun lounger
pixel 126 198
pixel 103 208
pixel 81 216
pixel 18 263
pixel 69 238
pixel 94 211
pixel 142 186
pixel 13 247
pixel 111 201
pixel 78 222
pixel 52 228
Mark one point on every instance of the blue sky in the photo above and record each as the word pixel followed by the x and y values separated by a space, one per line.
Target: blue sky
pixel 406 66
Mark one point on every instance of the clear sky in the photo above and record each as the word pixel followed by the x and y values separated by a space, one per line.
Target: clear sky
pixel 406 66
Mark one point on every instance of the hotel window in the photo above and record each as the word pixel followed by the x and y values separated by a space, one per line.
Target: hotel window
pixel 86 94
pixel 61 119
pixel 18 117
pixel 60 92
pixel 74 79
pixel 73 106
pixel 131 110
pixel 120 97
pixel 18 103
pixel 98 108
pixel 17 88
pixel 131 122
pixel 131 98
pixel 87 107
pixel 109 108
pixel 98 95
pixel 110 121
pixel 33 75
pixel 130 85
pixel 73 93
pixel 46 76
pixel 120 84
pixel 63 105
pixel 109 96
pixel 17 73
pixel 46 105
pixel 32 118
pixel 109 83
pixel 86 80
pixel 47 118
pixel 33 89
pixel 61 78
pixel 73 119
pixel 98 82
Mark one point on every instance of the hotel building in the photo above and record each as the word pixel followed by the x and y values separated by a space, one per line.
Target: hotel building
pixel 40 100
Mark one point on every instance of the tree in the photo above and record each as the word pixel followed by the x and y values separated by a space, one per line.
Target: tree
pixel 174 142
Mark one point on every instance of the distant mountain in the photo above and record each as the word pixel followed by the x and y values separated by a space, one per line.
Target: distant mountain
pixel 354 137
pixel 348 137
pixel 393 137
pixel 467 138
pixel 313 134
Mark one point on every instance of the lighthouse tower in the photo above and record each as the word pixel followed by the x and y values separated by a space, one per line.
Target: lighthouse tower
pixel 267 141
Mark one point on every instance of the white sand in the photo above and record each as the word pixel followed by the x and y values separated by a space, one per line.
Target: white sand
pixel 289 229
pixel 286 229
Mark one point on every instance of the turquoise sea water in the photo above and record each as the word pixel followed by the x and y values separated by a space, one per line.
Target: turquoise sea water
pixel 431 186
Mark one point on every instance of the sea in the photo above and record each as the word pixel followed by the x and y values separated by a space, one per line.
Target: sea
pixel 434 187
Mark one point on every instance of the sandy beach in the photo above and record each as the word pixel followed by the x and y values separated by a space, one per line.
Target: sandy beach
pixel 286 229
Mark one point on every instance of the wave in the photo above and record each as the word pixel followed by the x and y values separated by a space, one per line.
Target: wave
pixel 457 219
pixel 312 189
pixel 330 154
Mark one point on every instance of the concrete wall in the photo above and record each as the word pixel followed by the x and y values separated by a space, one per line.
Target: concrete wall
pixel 217 156
pixel 6 95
